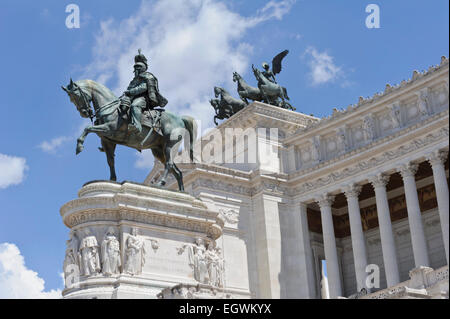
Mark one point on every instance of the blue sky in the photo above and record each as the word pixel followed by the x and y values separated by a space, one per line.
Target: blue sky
pixel 334 58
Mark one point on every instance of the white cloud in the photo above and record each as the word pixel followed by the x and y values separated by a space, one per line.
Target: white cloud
pixel 57 142
pixel 276 9
pixel 53 144
pixel 191 45
pixel 16 280
pixel 323 69
pixel 12 170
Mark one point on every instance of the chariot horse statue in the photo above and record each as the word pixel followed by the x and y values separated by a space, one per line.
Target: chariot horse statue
pixel 226 106
pixel 271 91
pixel 128 121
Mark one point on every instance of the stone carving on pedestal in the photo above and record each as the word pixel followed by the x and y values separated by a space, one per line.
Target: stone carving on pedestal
pixel 206 262
pixel 90 258
pixel 231 216
pixel 110 254
pixel 134 253
pixel 215 266
pixel 72 258
pixel 118 225
pixel 197 260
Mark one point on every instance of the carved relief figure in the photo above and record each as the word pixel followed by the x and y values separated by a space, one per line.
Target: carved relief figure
pixel 395 115
pixel 110 254
pixel 215 265
pixel 369 128
pixel 89 254
pixel 342 140
pixel 315 148
pixel 423 103
pixel 72 258
pixel 197 260
pixel 135 253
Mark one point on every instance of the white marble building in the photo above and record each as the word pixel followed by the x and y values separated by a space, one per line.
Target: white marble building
pixel 366 186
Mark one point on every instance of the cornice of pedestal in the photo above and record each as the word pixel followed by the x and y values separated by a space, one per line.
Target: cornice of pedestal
pixel 114 202
pixel 258 114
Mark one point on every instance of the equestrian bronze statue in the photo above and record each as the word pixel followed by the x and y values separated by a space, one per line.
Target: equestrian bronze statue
pixel 136 119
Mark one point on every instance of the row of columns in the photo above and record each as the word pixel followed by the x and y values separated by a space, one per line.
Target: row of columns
pixel 379 182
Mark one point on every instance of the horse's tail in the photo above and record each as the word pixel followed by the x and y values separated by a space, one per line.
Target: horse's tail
pixel 191 127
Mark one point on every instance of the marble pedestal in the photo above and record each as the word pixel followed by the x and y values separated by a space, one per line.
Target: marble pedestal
pixel 129 240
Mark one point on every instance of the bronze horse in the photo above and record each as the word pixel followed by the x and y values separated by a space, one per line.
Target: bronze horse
pixel 112 129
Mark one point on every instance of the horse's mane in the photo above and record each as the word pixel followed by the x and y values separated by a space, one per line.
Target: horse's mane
pixel 98 87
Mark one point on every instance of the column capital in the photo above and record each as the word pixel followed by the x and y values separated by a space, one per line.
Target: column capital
pixel 408 170
pixel 379 180
pixel 352 190
pixel 437 157
pixel 325 200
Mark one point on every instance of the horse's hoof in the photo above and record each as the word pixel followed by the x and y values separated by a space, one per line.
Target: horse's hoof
pixel 160 184
pixel 79 149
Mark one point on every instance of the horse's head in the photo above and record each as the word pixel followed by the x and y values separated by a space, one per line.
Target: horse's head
pixel 217 91
pixel 80 98
pixel 236 76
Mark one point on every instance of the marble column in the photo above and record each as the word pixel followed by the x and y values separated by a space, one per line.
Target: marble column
pixel 358 241
pixel 306 288
pixel 437 160
pixel 329 243
pixel 379 183
pixel 419 243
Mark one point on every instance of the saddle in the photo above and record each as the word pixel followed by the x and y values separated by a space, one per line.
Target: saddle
pixel 152 119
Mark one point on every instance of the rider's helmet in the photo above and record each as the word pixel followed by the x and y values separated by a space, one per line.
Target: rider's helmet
pixel 140 60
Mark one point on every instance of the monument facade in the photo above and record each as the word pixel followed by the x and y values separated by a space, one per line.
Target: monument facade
pixel 365 188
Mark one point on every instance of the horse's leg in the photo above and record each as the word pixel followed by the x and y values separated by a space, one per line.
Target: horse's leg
pixel 103 128
pixel 109 148
pixel 179 176
pixel 174 139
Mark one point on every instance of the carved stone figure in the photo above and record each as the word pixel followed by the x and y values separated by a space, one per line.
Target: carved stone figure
pixel 315 148
pixel 342 140
pixel 214 265
pixel 395 115
pixel 422 104
pixel 196 254
pixel 369 128
pixel 89 254
pixel 72 258
pixel 110 254
pixel 161 131
pixel 135 253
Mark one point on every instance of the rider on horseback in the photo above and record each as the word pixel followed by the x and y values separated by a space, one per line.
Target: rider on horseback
pixel 142 93
pixel 268 74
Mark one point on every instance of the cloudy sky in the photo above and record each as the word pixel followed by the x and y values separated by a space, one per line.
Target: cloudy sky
pixel 192 46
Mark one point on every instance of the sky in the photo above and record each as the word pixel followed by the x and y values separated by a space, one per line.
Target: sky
pixel 192 46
